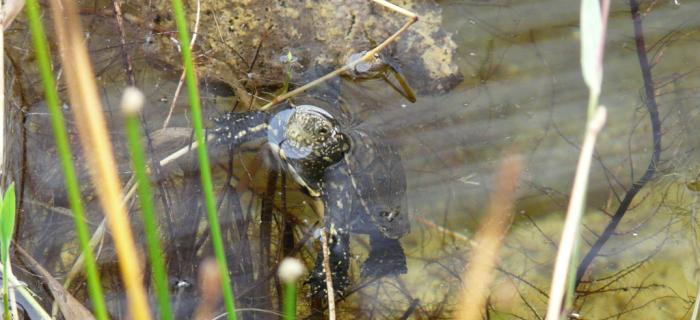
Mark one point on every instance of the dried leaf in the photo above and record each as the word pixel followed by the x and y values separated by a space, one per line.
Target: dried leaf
pixel 69 305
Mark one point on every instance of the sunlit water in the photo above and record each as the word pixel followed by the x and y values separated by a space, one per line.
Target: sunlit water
pixel 522 94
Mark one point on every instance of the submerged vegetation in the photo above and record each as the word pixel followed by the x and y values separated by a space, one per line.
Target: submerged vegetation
pixel 407 110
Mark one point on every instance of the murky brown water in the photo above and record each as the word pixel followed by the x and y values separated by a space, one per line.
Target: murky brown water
pixel 522 93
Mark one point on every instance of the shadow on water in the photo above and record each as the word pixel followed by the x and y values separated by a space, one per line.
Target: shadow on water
pixel 521 93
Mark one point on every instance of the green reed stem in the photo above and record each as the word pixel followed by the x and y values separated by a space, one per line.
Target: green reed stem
pixel 210 201
pixel 150 225
pixel 5 293
pixel 7 226
pixel 290 301
pixel 64 153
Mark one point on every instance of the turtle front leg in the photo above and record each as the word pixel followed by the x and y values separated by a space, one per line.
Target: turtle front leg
pixel 337 202
pixel 339 263
pixel 386 257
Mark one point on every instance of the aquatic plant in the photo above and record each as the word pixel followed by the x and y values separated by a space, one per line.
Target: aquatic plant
pixel 7 227
pixel 59 129
pixel 205 170
pixel 132 103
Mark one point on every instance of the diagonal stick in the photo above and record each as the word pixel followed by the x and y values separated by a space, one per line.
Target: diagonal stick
pixel 412 18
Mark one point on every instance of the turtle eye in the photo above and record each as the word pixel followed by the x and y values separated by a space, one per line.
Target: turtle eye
pixel 322 131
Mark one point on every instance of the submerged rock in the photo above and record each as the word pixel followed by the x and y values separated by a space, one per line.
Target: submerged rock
pixel 247 43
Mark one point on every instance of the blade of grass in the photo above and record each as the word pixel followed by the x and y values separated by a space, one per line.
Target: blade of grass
pixel 289 271
pixel 64 153
pixel 205 173
pixel 132 103
pixel 5 293
pixel 290 301
pixel 4 253
pixel 29 298
pixel 7 223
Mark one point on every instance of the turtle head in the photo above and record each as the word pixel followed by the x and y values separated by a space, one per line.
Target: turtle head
pixel 310 142
pixel 314 135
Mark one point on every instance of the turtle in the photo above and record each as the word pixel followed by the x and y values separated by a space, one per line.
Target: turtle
pixel 358 177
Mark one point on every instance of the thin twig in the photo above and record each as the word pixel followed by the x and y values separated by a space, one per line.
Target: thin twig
pixel 122 33
pixel 329 278
pixel 182 76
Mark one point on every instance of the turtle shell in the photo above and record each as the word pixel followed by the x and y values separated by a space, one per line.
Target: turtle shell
pixel 364 193
pixel 379 183
pixel 358 175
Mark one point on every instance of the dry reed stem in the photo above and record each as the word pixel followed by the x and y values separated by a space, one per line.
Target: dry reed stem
pixel 330 294
pixel 210 289
pixel 70 307
pixel 87 110
pixel 482 260
pixel 9 11
pixel 318 207
pixel 181 152
pixel 573 216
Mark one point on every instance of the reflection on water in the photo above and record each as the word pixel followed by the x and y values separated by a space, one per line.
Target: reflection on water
pixel 522 93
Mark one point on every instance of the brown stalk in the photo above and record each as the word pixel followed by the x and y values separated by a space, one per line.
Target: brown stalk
pixel 210 290
pixel 329 277
pixel 482 261
pixel 10 10
pixel 70 307
pixel 87 110
pixel 319 208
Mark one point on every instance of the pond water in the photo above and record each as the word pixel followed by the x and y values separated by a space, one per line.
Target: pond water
pixel 521 93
